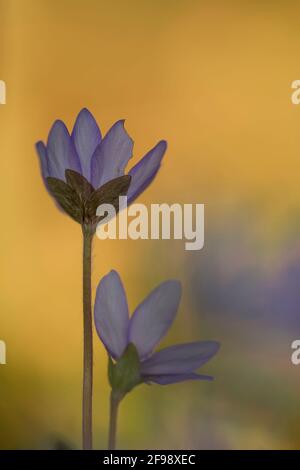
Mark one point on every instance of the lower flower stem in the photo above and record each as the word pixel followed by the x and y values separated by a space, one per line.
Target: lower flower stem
pixel 87 440
pixel 113 419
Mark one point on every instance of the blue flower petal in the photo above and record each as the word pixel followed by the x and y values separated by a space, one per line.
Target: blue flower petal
pixel 111 314
pixel 145 170
pixel 61 152
pixel 174 378
pixel 154 316
pixel 86 137
pixel 180 359
pixel 111 156
pixel 42 153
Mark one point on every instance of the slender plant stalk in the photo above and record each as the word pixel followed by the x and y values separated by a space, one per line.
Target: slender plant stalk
pixel 113 419
pixel 87 396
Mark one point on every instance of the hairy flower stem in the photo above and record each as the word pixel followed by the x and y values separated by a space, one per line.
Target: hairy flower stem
pixel 113 418
pixel 87 441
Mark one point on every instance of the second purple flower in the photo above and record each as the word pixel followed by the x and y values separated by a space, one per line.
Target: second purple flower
pixel 147 326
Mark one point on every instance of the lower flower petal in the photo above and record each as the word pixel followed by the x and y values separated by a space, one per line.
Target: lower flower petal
pixel 111 314
pixel 154 316
pixel 168 379
pixel 180 359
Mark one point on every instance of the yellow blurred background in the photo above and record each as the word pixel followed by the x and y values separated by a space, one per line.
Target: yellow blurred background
pixel 213 78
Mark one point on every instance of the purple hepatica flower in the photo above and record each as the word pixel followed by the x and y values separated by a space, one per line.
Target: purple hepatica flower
pixel 84 161
pixel 147 326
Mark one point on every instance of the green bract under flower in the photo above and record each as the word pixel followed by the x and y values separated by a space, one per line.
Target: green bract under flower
pixel 124 374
